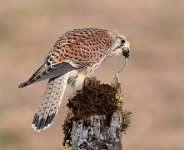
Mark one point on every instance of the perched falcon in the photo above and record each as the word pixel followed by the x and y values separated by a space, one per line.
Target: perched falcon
pixel 76 55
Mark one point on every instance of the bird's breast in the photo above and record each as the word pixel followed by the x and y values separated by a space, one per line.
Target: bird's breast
pixel 76 77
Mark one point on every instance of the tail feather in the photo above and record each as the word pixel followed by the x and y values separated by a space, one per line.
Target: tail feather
pixel 50 103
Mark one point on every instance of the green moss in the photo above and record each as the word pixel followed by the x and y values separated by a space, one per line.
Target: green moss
pixel 67 131
pixel 126 116
pixel 94 99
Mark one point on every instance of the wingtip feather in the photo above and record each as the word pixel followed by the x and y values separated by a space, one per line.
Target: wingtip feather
pixel 22 85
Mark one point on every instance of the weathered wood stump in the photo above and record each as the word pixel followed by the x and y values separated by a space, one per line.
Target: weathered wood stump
pixel 95 119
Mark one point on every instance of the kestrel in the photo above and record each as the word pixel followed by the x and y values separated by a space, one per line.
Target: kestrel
pixel 77 54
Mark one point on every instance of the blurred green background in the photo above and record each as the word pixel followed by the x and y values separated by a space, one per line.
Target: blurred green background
pixel 152 83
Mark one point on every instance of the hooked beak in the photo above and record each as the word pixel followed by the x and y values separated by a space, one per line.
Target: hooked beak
pixel 126 52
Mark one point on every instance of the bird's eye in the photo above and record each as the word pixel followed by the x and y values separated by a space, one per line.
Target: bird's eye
pixel 123 41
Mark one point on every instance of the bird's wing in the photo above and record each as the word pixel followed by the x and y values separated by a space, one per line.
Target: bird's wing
pixel 73 50
pixel 48 71
pixel 81 45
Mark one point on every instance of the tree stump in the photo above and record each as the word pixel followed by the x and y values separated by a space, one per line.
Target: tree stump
pixel 96 119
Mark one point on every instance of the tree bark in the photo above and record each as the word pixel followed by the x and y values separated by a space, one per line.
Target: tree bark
pixel 97 135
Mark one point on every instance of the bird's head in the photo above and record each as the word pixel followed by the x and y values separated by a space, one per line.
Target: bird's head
pixel 121 46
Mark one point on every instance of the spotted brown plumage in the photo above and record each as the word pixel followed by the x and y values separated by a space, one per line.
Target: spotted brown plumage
pixel 76 55
pixel 86 45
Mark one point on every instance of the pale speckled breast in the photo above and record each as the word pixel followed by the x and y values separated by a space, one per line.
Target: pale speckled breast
pixel 76 77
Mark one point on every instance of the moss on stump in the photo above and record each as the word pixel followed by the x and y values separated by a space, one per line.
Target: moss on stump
pixel 95 99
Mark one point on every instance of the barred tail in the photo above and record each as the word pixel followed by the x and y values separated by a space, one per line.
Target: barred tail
pixel 50 103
